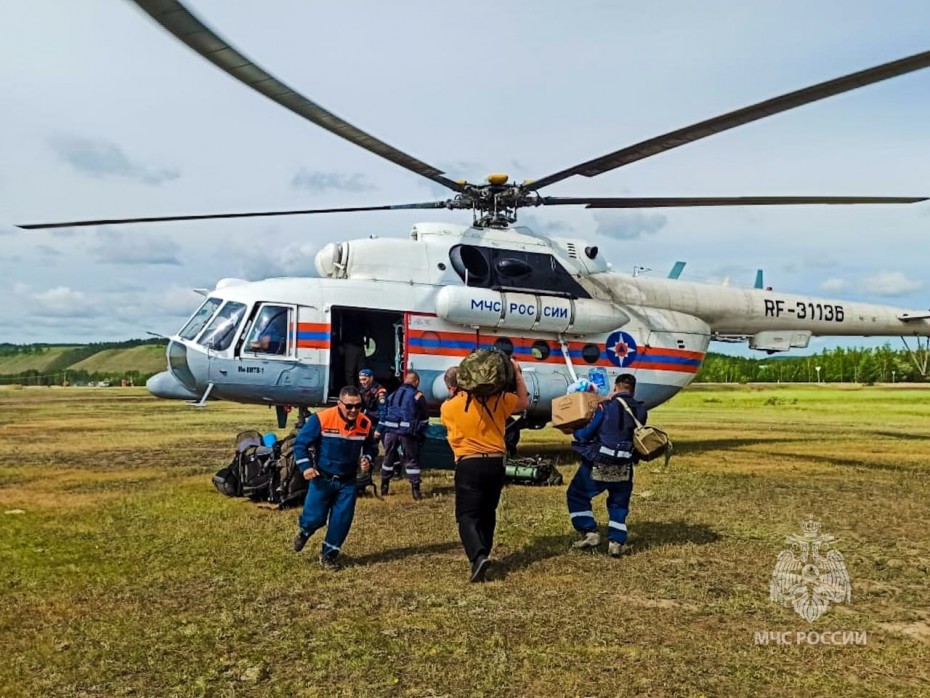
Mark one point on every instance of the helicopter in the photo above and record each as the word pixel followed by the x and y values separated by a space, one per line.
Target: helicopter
pixel 553 303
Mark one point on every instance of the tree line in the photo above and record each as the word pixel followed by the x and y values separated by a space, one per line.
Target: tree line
pixel 866 365
pixel 873 365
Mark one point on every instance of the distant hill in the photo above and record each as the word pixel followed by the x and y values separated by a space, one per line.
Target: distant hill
pixel 143 359
pixel 44 364
pixel 38 361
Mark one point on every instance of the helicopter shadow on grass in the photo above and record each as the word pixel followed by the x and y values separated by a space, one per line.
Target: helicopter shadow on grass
pixel 645 535
pixel 862 463
pixel 688 447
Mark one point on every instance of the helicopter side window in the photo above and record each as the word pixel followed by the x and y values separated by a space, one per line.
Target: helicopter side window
pixel 505 345
pixel 540 350
pixel 199 320
pixel 269 333
pixel 591 353
pixel 220 332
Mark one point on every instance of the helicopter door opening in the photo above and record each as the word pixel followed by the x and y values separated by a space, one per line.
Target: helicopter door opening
pixel 362 338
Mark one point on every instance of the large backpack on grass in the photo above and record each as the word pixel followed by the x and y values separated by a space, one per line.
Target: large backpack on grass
pixel 244 473
pixel 289 485
pixel 485 372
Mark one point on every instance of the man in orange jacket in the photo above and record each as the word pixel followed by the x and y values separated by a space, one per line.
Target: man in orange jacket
pixel 330 448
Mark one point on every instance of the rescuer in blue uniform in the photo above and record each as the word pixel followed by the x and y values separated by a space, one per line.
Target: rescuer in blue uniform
pixel 374 397
pixel 329 449
pixel 608 457
pixel 403 422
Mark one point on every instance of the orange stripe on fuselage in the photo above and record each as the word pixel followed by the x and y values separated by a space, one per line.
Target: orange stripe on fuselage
pixel 555 357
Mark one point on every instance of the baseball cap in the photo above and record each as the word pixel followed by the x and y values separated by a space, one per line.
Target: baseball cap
pixel 366 372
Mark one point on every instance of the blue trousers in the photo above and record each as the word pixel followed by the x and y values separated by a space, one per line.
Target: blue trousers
pixel 394 443
pixel 332 500
pixel 583 489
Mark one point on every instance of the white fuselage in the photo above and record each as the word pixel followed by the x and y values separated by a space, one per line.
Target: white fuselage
pixel 428 301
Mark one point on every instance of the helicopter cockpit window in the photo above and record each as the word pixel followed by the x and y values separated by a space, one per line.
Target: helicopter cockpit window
pixel 220 332
pixel 493 268
pixel 270 331
pixel 200 318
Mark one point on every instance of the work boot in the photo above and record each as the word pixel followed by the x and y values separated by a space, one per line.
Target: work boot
pixel 588 541
pixel 417 494
pixel 300 540
pixel 330 563
pixel 615 549
pixel 479 570
pixel 385 488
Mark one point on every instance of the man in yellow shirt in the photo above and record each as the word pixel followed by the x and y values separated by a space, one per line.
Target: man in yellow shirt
pixel 476 434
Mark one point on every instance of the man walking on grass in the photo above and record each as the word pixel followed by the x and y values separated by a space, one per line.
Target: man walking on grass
pixel 606 448
pixel 330 448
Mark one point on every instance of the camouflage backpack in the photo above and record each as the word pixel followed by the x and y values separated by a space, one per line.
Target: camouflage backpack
pixel 485 372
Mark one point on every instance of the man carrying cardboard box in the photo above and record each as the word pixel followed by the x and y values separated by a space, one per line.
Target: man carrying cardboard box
pixel 574 410
pixel 608 456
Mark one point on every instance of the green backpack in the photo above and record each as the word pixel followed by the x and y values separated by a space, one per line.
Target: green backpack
pixel 485 372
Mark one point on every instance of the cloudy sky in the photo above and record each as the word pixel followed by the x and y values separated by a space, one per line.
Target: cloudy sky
pixel 106 115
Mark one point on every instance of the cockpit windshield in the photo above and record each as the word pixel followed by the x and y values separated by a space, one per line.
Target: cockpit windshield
pixel 200 318
pixel 220 332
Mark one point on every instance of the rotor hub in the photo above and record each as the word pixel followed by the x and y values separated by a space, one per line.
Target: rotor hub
pixel 495 204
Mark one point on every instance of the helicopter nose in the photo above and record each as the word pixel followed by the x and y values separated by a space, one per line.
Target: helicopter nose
pixel 189 367
pixel 165 385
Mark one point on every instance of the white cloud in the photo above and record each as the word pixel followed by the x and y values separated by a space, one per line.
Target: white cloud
pixel 288 260
pixel 104 159
pixel 628 225
pixel 57 302
pixel 117 247
pixel 316 181
pixel 177 301
pixel 833 285
pixel 891 283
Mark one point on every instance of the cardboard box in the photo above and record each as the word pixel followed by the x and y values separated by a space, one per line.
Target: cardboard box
pixel 574 410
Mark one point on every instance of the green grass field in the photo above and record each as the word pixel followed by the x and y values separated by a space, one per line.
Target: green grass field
pixel 19 363
pixel 144 359
pixel 123 573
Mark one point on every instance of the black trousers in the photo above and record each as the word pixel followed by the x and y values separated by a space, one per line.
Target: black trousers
pixel 478 485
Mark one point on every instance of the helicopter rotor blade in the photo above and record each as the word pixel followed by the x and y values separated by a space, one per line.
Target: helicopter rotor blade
pixel 180 22
pixel 732 119
pixel 252 214
pixel 685 201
